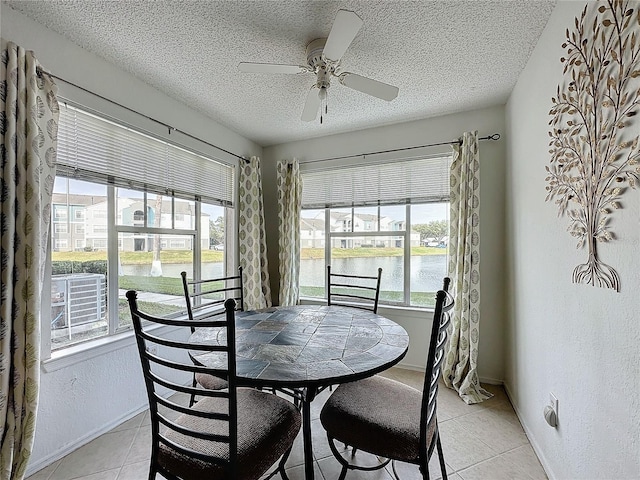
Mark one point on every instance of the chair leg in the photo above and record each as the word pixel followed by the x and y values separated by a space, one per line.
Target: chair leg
pixel 425 472
pixel 194 384
pixel 283 460
pixel 443 468
pixel 343 473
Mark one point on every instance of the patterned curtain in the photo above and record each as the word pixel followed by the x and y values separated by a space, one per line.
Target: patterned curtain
pixel 460 365
pixel 29 126
pixel 289 205
pixel 253 243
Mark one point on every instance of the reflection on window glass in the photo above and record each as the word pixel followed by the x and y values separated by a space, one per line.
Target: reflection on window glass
pixel 78 263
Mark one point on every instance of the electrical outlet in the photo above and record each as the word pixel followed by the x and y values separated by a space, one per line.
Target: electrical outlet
pixel 553 402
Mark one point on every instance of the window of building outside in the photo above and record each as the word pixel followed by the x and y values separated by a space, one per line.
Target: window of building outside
pixel 110 234
pixel 405 232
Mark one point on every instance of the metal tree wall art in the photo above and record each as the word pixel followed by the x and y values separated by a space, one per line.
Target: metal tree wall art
pixel 594 151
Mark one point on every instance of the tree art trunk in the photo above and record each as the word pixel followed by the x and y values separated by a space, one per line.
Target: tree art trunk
pixel 595 272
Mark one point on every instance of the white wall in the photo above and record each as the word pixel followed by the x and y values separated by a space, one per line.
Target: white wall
pixel 422 132
pixel 577 341
pixel 79 401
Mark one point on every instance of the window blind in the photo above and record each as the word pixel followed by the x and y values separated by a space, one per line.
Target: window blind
pixel 422 180
pixel 95 149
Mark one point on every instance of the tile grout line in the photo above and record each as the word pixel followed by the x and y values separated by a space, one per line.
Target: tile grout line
pixel 133 441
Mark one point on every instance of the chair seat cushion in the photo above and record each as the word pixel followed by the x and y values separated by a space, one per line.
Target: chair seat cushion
pixel 267 426
pixel 211 382
pixel 377 415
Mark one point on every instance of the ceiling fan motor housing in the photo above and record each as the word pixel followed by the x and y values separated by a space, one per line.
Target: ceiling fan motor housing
pixel 319 64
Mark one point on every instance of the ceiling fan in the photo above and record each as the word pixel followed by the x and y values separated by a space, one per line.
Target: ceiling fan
pixel 323 60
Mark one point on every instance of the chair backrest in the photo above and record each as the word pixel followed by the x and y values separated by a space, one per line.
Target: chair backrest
pixel 435 357
pixel 204 297
pixel 353 290
pixel 162 372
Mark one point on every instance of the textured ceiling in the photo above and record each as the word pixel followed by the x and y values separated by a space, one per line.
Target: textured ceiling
pixel 445 56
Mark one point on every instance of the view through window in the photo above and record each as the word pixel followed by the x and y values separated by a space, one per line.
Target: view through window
pixel 409 242
pixel 150 241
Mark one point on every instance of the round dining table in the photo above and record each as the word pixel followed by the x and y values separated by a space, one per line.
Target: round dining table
pixel 303 349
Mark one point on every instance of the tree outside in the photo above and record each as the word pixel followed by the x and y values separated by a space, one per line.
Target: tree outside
pixel 216 231
pixel 438 230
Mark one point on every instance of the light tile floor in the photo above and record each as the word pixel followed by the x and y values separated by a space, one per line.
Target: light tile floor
pixel 480 442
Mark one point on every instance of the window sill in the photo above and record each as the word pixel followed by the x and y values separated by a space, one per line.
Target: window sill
pixel 66 357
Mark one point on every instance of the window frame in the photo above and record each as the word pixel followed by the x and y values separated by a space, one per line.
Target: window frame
pixel 432 165
pixel 114 339
pixel 329 237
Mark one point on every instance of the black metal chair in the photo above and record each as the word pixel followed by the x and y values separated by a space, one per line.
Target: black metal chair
pixel 353 290
pixel 236 433
pixel 388 418
pixel 205 297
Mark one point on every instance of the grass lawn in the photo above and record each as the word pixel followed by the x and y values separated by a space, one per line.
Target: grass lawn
pixel 167 285
pixel 186 256
pixel 140 258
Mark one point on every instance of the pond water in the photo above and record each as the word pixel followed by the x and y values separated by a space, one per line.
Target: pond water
pixel 427 271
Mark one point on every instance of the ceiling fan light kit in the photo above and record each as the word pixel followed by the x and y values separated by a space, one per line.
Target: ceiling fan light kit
pixel 323 60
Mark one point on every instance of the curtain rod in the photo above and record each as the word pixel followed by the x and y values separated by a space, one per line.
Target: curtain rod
pixel 494 136
pixel 167 126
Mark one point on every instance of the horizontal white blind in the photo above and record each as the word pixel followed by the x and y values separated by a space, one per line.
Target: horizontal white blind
pixel 422 180
pixel 95 149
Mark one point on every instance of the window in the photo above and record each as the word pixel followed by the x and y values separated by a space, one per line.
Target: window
pixel 99 243
pixel 390 215
pixel 60 212
pixel 136 232
pixel 59 228
pixel 60 244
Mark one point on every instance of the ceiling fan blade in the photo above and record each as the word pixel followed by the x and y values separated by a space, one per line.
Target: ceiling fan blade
pixel 311 106
pixel 250 67
pixel 369 86
pixel 345 28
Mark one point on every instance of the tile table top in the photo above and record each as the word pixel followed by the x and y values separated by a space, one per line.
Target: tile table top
pixel 307 345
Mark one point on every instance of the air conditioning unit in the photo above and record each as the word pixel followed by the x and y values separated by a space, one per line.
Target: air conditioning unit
pixel 78 299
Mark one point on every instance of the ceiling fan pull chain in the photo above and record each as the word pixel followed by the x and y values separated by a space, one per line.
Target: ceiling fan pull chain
pixel 326 103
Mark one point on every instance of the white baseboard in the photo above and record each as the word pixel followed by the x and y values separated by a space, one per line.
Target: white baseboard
pixel 408 366
pixel 491 381
pixel 41 463
pixel 420 368
pixel 532 440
